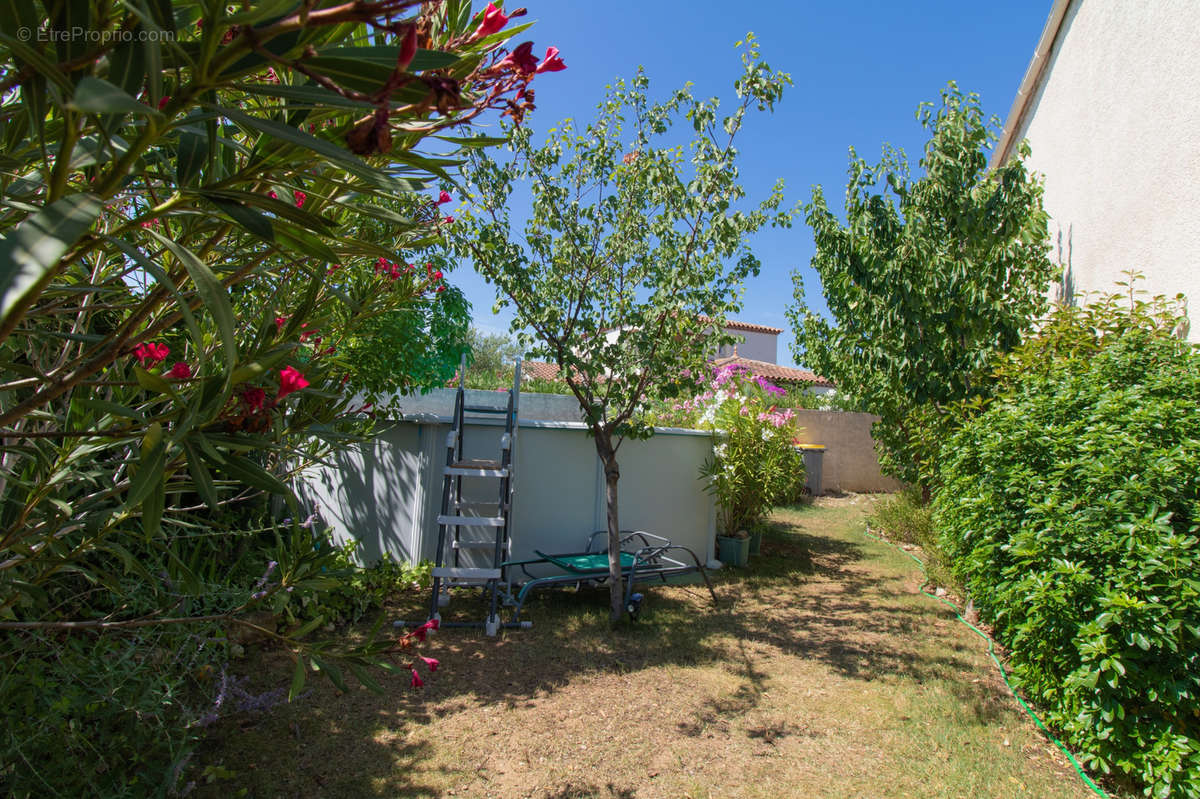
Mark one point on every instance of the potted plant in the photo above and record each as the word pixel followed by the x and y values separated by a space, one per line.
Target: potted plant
pixel 734 549
pixel 753 465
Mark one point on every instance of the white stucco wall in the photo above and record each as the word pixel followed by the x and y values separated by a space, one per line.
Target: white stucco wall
pixel 757 346
pixel 387 493
pixel 1115 130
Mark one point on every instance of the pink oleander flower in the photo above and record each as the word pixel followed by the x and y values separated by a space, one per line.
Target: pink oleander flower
pixel 254 398
pixel 180 371
pixel 273 195
pixel 290 380
pixel 443 198
pixel 163 102
pixel 149 354
pixel 437 275
pixel 552 62
pixel 417 682
pixel 299 197
pixel 280 321
pixel 432 663
pixel 447 220
pixel 522 58
pixel 494 21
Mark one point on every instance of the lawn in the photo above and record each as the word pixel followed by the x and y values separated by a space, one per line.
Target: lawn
pixel 824 674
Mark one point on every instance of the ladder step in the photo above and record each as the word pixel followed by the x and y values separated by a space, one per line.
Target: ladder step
pixel 456 573
pixel 476 463
pixel 460 471
pixel 490 545
pixel 483 409
pixel 472 521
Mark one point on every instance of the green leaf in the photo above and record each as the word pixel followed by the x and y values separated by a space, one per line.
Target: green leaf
pixel 153 382
pixel 247 218
pixel 212 292
pixel 191 156
pixel 96 96
pixel 250 473
pixel 332 672
pixel 297 678
pixel 30 252
pixel 127 67
pixel 338 155
pixel 201 476
pixel 259 367
pixel 365 678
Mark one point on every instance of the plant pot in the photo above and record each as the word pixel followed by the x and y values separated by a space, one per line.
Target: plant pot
pixel 733 551
pixel 756 542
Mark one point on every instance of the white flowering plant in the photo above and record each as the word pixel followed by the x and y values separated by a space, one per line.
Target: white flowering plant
pixel 755 464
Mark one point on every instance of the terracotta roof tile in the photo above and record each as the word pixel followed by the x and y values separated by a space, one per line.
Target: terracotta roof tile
pixel 542 370
pixel 775 372
pixel 749 328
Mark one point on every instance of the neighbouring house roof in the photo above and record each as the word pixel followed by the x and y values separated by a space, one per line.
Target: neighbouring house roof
pixel 774 372
pixel 749 328
pixel 1031 84
pixel 746 327
pixel 539 370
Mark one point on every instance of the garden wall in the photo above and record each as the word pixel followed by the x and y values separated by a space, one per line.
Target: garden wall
pixel 849 462
pixel 387 493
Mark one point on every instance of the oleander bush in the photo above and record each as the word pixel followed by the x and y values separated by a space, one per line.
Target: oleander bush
pixel 754 465
pixel 218 227
pixel 1070 508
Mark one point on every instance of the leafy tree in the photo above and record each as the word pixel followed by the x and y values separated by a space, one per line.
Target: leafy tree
pixel 179 197
pixel 492 352
pixel 632 246
pixel 929 278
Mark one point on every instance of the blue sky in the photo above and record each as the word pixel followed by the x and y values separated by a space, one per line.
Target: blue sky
pixel 859 69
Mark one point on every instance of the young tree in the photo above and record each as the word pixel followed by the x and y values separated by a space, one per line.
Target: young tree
pixel 928 279
pixel 634 251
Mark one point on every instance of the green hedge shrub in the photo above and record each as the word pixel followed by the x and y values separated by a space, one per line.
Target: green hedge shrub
pixel 1070 507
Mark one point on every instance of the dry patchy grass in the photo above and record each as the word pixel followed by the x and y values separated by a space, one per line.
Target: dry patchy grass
pixel 823 674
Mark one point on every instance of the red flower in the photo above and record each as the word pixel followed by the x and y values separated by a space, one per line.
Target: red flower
pixel 300 197
pixel 151 354
pixel 493 21
pixel 180 371
pixel 273 195
pixel 163 102
pixel 280 321
pixel 552 63
pixel 290 380
pixel 443 198
pixel 332 269
pixel 522 58
pixel 254 398
pixel 417 682
pixel 430 662
pixel 440 289
pixel 447 220
pixel 437 275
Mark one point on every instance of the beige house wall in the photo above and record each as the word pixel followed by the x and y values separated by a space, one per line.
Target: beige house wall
pixel 756 346
pixel 1112 113
pixel 849 462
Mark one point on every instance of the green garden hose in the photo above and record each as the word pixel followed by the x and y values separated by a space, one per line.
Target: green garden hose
pixel 992 652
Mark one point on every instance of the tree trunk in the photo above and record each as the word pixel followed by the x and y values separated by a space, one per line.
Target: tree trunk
pixel 612 473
